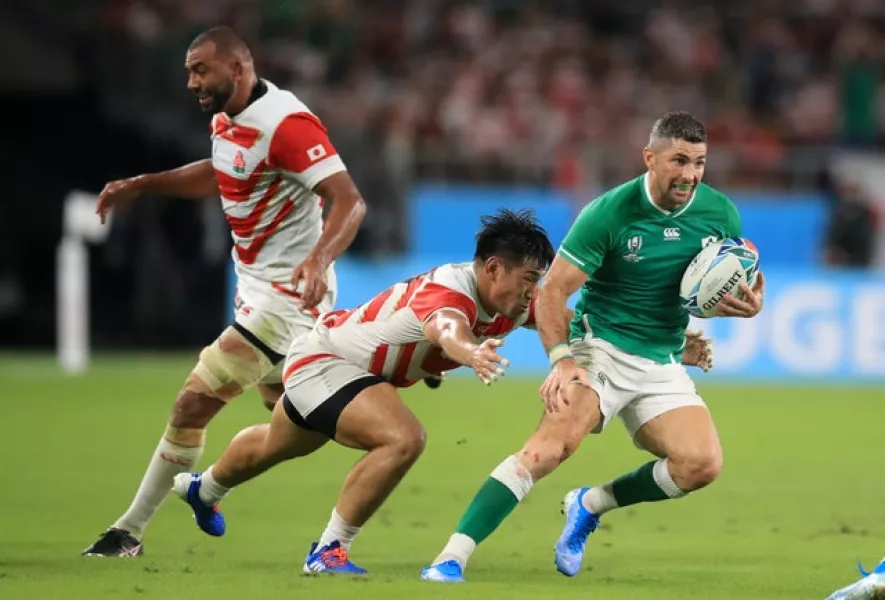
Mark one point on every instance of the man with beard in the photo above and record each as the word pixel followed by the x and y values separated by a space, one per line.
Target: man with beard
pixel 622 354
pixel 273 165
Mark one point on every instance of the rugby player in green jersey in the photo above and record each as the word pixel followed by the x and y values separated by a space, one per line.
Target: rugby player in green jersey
pixel 621 353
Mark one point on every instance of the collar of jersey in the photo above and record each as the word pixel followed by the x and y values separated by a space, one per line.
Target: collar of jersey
pixel 261 89
pixel 646 192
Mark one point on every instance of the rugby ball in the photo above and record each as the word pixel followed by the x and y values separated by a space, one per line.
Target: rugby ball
pixel 717 271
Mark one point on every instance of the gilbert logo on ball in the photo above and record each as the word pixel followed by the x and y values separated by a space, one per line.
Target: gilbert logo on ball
pixel 717 271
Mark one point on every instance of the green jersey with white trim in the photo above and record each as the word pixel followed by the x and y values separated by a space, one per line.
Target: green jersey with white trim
pixel 635 254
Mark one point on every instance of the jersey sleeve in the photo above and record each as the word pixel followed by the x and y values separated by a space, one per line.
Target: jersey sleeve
pixel 433 297
pixel 589 238
pixel 301 146
pixel 733 224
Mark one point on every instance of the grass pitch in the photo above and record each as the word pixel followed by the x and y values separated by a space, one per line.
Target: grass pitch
pixel 799 499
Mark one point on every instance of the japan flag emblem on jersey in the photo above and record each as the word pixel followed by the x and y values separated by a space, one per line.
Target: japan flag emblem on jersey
pixel 315 153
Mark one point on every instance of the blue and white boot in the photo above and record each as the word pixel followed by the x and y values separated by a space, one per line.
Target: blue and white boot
pixel 187 487
pixel 332 559
pixel 449 571
pixel 579 524
pixel 870 587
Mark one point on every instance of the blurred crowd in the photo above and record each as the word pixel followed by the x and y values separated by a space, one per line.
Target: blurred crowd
pixel 547 91
pixel 540 92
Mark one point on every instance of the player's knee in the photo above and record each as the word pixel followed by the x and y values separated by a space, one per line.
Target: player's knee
pixel 700 468
pixel 193 410
pixel 227 367
pixel 583 410
pixel 407 443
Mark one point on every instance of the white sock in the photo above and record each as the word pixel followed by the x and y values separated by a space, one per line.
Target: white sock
pixel 661 473
pixel 338 529
pixel 512 473
pixel 599 500
pixel 211 492
pixel 458 548
pixel 516 477
pixel 168 461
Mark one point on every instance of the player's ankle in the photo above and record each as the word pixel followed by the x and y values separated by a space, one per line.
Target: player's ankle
pixel 212 492
pixel 458 548
pixel 599 500
pixel 338 529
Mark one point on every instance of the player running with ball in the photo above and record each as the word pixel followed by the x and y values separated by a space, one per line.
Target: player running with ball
pixel 620 355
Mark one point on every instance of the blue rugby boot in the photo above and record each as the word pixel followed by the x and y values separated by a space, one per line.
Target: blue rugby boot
pixel 870 587
pixel 445 572
pixel 187 487
pixel 579 524
pixel 330 559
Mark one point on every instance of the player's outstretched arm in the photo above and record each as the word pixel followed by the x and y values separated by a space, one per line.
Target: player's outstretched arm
pixel 346 213
pixel 450 330
pixel 552 321
pixel 194 181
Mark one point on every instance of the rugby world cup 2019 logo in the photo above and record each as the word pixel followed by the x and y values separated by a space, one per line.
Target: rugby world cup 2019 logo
pixel 634 245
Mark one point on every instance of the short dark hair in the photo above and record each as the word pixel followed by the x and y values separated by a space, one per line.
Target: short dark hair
pixel 678 126
pixel 515 237
pixel 227 41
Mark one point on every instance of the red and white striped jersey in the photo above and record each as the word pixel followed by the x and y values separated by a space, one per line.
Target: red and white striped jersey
pixel 386 337
pixel 267 160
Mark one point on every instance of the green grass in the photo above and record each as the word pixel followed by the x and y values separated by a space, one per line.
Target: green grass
pixel 799 499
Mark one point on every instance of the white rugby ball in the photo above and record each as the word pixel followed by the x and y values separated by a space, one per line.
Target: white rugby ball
pixel 718 271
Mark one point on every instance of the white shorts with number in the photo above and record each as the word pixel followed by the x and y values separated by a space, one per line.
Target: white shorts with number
pixel 632 387
pixel 273 314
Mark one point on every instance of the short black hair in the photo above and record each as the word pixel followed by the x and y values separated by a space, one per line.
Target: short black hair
pixel 515 237
pixel 678 126
pixel 227 42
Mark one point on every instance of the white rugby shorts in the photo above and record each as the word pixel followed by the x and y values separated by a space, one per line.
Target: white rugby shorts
pixel 319 384
pixel 273 314
pixel 631 387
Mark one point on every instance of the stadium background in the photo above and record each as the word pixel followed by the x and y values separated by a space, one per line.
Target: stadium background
pixel 445 110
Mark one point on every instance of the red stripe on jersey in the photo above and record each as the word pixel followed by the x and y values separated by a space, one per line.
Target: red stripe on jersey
pixel 248 254
pixel 375 305
pixel 435 362
pixel 411 288
pixel 240 190
pixel 245 226
pixel 241 135
pixel 498 327
pixel 290 292
pixel 337 318
pixel 401 370
pixel 303 362
pixel 433 297
pixel 380 355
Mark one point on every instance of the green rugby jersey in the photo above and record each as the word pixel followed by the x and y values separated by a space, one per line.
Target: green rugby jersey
pixel 635 254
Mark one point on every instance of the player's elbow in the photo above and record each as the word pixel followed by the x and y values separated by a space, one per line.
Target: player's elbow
pixel 352 203
pixel 358 208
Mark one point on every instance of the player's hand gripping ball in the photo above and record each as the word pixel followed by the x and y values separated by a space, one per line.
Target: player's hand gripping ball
pixel 721 269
